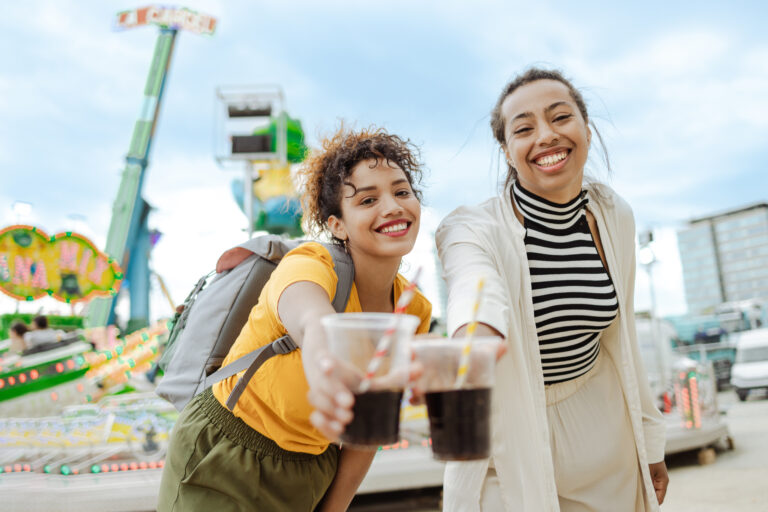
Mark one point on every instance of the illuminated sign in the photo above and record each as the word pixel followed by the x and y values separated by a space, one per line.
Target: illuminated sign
pixel 179 18
pixel 67 266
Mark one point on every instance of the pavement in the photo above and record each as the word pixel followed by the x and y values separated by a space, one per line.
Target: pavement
pixel 737 481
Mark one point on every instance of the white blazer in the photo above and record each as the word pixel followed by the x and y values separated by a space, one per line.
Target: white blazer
pixel 488 241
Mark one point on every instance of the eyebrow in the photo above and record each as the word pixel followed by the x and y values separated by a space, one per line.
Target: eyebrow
pixel 374 187
pixel 546 110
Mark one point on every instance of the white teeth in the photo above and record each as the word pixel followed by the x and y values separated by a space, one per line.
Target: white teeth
pixel 548 160
pixel 395 227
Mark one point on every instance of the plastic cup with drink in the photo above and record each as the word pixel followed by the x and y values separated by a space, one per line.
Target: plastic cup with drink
pixel 373 355
pixel 459 409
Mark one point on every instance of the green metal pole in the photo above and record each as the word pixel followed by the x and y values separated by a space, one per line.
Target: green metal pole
pixel 126 211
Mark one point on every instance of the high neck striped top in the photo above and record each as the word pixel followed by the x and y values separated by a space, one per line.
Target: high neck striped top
pixel 573 295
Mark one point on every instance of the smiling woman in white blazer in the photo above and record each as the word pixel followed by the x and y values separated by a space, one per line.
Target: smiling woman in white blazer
pixel 574 424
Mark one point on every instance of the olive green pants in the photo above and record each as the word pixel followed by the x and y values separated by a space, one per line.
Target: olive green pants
pixel 216 462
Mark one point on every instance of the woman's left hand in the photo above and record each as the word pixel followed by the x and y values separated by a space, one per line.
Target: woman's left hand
pixel 660 479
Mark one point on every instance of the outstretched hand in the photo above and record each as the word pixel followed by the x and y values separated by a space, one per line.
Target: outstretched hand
pixel 331 386
pixel 329 394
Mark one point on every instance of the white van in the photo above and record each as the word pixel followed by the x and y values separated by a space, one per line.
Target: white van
pixel 750 369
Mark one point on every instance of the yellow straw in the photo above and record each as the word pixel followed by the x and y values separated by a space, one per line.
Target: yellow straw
pixel 471 328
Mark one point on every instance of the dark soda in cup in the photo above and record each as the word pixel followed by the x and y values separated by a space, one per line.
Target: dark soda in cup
pixel 458 376
pixel 372 355
pixel 459 422
pixel 376 419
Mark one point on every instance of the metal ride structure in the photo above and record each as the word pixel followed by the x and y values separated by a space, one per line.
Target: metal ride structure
pixel 96 450
pixel 253 128
pixel 129 238
pixel 91 458
pixel 75 434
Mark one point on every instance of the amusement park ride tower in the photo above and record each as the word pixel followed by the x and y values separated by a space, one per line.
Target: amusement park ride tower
pixel 254 129
pixel 129 238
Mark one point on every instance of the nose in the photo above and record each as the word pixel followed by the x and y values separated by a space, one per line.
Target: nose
pixel 391 205
pixel 547 135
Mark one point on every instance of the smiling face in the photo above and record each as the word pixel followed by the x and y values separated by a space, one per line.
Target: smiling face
pixel 379 211
pixel 546 139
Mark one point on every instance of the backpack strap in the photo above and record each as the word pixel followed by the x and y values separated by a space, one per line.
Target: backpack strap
pixel 345 273
pixel 253 362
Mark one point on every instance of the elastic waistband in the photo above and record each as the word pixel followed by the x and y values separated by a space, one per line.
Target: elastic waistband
pixel 239 432
pixel 558 392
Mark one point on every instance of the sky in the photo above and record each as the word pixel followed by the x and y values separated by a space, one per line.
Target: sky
pixel 677 90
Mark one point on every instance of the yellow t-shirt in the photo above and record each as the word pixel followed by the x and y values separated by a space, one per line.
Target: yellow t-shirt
pixel 275 401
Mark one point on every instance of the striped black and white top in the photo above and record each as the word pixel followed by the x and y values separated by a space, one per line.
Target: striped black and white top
pixel 573 295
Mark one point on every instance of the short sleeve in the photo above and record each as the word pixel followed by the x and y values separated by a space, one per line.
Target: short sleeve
pixel 419 306
pixel 309 262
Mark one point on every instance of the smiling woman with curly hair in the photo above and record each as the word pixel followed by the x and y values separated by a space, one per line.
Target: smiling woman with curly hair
pixel 325 172
pixel 275 449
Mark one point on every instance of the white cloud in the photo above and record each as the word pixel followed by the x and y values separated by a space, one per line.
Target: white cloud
pixel 687 111
pixel 668 56
pixel 10 215
pixel 463 175
pixel 198 224
pixel 75 42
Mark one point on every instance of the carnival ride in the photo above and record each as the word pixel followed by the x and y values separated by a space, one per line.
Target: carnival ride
pixel 80 425
pixel 40 382
pixel 90 458
pixel 68 409
pixel 276 206
pixel 129 238
pixel 257 135
pixel 268 199
pixel 76 405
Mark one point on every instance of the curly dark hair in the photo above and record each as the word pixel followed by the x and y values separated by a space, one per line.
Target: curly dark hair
pixel 325 171
pixel 532 75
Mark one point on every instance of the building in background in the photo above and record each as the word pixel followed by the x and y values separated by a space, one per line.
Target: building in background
pixel 725 258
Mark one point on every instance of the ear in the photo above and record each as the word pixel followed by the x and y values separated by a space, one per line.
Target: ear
pixel 507 156
pixel 589 136
pixel 337 228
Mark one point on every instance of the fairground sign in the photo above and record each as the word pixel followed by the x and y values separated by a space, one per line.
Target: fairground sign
pixel 179 18
pixel 67 266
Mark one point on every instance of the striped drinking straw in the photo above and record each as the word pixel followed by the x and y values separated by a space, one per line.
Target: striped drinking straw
pixel 386 340
pixel 461 376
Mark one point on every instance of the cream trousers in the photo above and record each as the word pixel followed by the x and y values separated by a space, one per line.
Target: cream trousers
pixel 593 450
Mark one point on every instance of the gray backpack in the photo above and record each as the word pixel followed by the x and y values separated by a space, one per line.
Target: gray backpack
pixel 213 315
